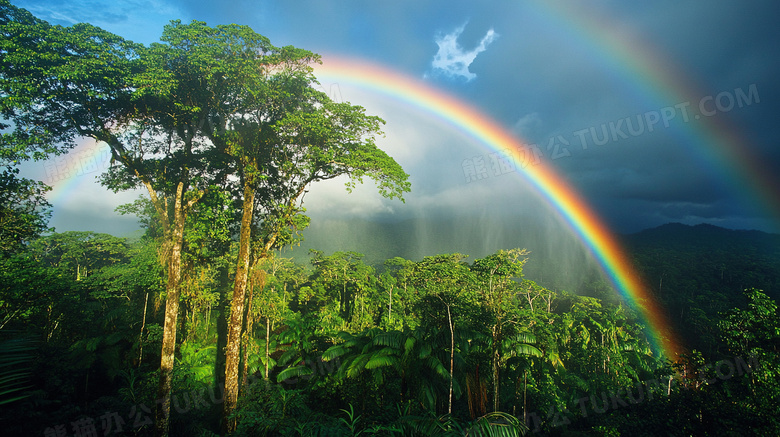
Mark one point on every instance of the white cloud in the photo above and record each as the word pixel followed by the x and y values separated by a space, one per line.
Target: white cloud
pixel 452 60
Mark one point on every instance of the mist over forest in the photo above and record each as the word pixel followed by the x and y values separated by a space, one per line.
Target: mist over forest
pixel 557 260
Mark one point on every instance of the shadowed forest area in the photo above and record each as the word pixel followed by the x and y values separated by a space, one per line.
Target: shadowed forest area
pixel 201 327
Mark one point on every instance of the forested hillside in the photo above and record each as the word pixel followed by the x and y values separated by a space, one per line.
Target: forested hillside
pixel 700 271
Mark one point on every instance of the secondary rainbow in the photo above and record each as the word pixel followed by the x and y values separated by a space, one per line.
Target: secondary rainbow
pixel 580 218
pixel 651 77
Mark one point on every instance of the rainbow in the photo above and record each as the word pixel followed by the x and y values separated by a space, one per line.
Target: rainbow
pixel 575 212
pixel 651 77
pixel 69 173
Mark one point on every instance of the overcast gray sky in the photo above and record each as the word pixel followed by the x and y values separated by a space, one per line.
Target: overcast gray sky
pixel 650 110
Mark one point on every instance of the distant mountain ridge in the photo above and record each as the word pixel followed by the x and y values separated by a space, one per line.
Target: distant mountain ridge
pixel 706 236
pixel 701 271
pixel 702 230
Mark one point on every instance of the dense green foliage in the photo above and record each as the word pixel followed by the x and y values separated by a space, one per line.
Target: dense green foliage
pixel 327 354
pixel 208 114
pixel 201 327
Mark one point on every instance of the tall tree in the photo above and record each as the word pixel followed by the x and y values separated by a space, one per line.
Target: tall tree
pixel 180 116
pixel 498 292
pixel 282 136
pixel 147 104
pixel 321 142
pixel 195 72
pixel 448 286
pixel 252 97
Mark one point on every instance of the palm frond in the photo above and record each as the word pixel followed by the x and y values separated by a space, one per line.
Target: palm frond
pixel 409 344
pixel 293 372
pixel 434 364
pixel 394 339
pixel 497 424
pixel 288 355
pixel 527 349
pixel 15 357
pixel 335 351
pixel 378 361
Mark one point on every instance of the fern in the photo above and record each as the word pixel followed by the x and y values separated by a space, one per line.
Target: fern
pixel 15 358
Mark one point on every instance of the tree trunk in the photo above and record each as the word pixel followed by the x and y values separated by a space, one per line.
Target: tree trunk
pixel 222 325
pixel 141 335
pixel 525 392
pixel 495 362
pixel 267 342
pixel 247 335
pixel 390 311
pixel 237 311
pixel 452 357
pixel 172 290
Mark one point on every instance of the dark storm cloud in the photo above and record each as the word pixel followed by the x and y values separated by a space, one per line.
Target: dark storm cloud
pixel 721 47
pixel 715 40
pixel 544 79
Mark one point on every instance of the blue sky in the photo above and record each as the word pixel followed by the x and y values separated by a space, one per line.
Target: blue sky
pixel 526 64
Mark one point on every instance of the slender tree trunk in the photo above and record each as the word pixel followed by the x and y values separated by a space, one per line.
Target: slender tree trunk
pixel 344 303
pixel 452 357
pixel 237 311
pixel 495 361
pixel 525 391
pixel 267 342
pixel 182 321
pixel 171 313
pixel 222 324
pixel 390 312
pixel 141 335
